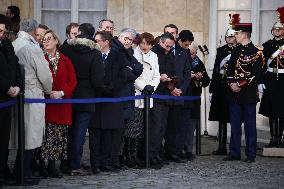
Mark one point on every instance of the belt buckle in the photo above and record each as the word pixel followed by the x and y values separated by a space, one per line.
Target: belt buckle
pixel 274 70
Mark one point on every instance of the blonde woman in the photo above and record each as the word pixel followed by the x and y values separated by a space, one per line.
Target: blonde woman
pixel 58 116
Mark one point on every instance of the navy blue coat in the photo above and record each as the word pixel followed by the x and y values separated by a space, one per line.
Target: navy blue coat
pixel 114 81
pixel 132 71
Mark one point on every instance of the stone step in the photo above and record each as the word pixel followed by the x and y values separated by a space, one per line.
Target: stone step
pixel 273 152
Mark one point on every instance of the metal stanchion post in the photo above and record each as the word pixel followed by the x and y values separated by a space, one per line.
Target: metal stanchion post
pixel 198 137
pixel 21 124
pixel 146 124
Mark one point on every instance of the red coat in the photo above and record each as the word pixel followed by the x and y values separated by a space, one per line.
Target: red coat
pixel 65 80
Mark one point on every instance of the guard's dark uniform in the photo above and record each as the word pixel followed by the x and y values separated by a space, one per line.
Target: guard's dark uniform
pixel 219 110
pixel 244 68
pixel 272 102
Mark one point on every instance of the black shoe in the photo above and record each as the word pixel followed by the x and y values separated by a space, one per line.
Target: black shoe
pixel 96 171
pixel 85 166
pixel 53 172
pixel 220 152
pixel 64 167
pixel 232 158
pixel 7 172
pixel 272 144
pixel 190 156
pixel 29 181
pixel 42 170
pixel 182 156
pixel 249 160
pixel 108 168
pixel 154 164
pixel 175 158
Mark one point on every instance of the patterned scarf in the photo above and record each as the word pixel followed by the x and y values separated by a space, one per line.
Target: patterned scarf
pixel 195 62
pixel 53 61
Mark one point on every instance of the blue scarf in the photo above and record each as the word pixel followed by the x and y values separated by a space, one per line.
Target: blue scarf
pixel 195 62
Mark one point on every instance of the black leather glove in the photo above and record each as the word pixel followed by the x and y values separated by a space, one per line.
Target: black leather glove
pixel 148 89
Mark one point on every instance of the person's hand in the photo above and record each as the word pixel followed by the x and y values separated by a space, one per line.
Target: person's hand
pixel 235 87
pixel 176 92
pixel 13 91
pixel 198 75
pixel 56 94
pixel 164 77
pixel 17 91
pixel 261 88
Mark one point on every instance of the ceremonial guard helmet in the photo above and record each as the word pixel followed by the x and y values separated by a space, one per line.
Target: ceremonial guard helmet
pixel 235 18
pixel 280 23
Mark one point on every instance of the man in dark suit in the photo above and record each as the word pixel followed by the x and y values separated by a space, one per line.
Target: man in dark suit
pixel 160 110
pixel 9 88
pixel 123 44
pixel 108 133
pixel 182 70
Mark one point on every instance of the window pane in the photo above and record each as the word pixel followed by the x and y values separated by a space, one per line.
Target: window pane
pixel 56 4
pixel 91 17
pixel 266 21
pixel 271 4
pixel 234 4
pixel 223 23
pixel 91 4
pixel 57 21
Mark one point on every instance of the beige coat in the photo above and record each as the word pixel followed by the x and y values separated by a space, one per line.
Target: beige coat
pixel 149 76
pixel 38 80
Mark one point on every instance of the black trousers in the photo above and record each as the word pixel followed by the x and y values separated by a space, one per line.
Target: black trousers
pixel 171 130
pixel 105 145
pixel 5 128
pixel 28 156
pixel 157 128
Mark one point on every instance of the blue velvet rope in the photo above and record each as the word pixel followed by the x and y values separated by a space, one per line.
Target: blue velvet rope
pixel 7 103
pixel 98 100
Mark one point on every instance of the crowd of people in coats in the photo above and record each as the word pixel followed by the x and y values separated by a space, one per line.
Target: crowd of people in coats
pixel 94 64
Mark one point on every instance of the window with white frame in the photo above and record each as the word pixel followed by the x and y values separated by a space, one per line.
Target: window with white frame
pixel 57 14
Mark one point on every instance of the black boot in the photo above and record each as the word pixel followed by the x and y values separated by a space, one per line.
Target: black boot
pixel 281 133
pixel 135 144
pixel 64 167
pixel 273 125
pixel 129 161
pixel 53 172
pixel 222 139
pixel 42 169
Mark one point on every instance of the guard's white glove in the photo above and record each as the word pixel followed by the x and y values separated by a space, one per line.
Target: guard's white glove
pixel 261 87
pixel 210 97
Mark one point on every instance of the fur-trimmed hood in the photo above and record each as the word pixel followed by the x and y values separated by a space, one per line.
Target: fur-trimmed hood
pixel 83 45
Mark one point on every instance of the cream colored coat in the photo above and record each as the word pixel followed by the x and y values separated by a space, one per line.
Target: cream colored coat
pixel 149 76
pixel 38 80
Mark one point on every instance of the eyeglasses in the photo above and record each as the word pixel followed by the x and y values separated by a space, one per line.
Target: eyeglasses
pixel 128 39
pixel 109 28
pixel 45 40
pixel 98 40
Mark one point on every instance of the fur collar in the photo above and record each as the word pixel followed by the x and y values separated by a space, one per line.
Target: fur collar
pixel 85 42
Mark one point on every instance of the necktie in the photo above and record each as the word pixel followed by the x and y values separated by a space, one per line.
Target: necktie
pixel 104 57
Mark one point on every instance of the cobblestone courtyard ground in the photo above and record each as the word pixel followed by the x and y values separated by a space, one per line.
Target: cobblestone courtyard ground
pixel 205 171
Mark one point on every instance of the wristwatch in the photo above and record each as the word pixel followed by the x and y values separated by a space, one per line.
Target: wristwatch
pixel 62 93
